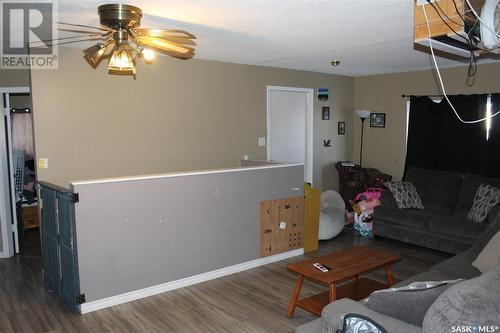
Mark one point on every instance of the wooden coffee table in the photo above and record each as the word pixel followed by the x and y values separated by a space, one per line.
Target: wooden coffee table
pixel 345 265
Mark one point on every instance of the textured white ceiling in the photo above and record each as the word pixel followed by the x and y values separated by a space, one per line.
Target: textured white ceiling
pixel 367 36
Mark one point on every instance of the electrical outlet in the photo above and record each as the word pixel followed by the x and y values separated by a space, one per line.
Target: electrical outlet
pixel 423 2
pixel 261 141
pixel 43 163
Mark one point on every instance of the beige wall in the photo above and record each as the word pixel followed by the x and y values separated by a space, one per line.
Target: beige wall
pixel 175 116
pixel 384 148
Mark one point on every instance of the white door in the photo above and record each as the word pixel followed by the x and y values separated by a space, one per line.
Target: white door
pixel 289 127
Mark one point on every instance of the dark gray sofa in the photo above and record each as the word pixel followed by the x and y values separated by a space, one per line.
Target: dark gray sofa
pixel 459 266
pixel 442 224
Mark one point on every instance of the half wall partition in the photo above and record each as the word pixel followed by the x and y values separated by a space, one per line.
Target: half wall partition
pixel 143 235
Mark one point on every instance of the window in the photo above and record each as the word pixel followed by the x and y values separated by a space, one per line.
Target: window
pixel 488 115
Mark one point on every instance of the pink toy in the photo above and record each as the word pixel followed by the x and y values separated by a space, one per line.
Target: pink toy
pixel 367 207
pixel 370 194
pixel 363 212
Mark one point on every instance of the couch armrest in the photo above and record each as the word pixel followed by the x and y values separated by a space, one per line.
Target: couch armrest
pixel 310 327
pixel 332 317
pixel 494 212
pixel 387 200
pixel 386 177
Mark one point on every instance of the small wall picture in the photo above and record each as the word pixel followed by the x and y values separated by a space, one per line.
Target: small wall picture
pixel 323 94
pixel 341 128
pixel 325 114
pixel 377 119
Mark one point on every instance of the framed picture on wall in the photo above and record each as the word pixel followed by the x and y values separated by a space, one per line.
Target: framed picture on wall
pixel 341 128
pixel 377 120
pixel 325 115
pixel 322 94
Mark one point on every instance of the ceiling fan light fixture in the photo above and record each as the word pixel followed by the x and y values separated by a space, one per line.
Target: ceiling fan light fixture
pixel 94 53
pixel 122 62
pixel 148 55
pixel 119 16
pixel 121 40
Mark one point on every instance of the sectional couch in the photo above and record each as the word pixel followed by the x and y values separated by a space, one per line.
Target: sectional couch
pixel 442 224
pixel 459 266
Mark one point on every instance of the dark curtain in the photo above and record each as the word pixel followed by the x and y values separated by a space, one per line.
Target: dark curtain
pixel 437 140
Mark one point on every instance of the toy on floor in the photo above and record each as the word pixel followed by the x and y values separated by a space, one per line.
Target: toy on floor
pixel 363 225
pixel 363 211
pixel 366 207
pixel 369 194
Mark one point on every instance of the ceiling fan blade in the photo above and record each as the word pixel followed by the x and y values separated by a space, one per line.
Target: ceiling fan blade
pixel 71 41
pixel 183 56
pixel 179 56
pixel 84 26
pixel 44 41
pixel 163 33
pixel 174 54
pixel 86 31
pixel 167 47
pixel 97 52
pixel 173 39
pixel 179 40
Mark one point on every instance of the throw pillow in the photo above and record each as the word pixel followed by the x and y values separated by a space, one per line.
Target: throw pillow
pixel 360 323
pixel 409 303
pixel 489 256
pixel 486 198
pixel 405 194
pixel 466 304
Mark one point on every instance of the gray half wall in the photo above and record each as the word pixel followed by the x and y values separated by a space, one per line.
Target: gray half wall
pixel 139 233
pixel 253 163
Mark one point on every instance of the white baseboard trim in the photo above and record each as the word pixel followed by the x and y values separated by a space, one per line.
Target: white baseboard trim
pixel 181 283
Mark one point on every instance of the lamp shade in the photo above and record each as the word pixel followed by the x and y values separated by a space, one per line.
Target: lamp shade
pixel 363 114
pixel 121 62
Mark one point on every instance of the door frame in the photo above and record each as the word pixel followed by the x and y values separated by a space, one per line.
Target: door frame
pixel 8 224
pixel 308 165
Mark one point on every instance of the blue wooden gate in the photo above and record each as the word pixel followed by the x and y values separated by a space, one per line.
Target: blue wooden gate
pixel 60 257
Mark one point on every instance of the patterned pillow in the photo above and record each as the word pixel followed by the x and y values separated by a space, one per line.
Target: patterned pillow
pixel 405 194
pixel 486 198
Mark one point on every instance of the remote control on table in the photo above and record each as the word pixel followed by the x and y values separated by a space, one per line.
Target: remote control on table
pixel 320 267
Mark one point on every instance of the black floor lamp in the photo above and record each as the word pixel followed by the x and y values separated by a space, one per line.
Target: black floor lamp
pixel 362 114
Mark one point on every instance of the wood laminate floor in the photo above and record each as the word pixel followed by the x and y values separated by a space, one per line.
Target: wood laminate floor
pixel 251 301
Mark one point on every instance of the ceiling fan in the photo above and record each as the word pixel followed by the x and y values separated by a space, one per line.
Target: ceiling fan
pixel 121 39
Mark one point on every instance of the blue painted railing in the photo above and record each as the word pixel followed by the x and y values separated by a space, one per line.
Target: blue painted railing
pixel 59 251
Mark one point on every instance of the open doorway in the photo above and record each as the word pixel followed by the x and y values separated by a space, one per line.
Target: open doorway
pixel 290 126
pixel 21 220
